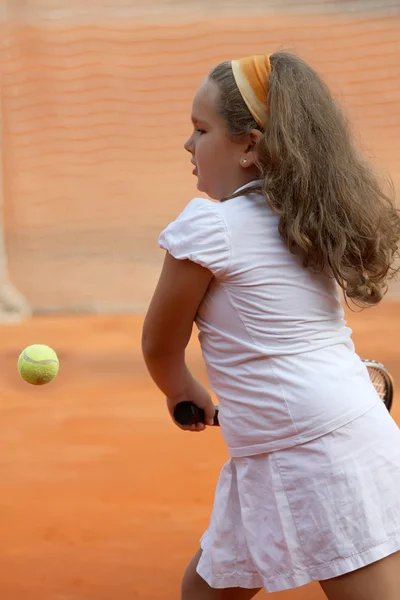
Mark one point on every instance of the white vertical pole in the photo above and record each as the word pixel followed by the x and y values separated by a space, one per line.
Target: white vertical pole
pixel 13 306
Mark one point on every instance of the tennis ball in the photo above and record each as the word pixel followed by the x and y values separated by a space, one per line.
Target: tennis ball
pixel 38 364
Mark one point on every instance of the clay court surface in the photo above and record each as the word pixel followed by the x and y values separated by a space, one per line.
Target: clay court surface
pixel 101 497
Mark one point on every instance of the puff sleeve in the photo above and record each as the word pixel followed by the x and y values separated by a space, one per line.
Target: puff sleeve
pixel 199 234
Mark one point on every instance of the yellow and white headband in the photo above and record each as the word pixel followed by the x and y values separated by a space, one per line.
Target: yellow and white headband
pixel 251 76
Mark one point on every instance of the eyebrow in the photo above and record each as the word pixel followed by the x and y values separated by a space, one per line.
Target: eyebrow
pixel 197 120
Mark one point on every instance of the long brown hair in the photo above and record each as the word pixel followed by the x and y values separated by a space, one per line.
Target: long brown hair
pixel 333 209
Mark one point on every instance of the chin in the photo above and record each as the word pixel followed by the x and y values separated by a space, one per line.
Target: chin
pixel 206 190
pixel 201 187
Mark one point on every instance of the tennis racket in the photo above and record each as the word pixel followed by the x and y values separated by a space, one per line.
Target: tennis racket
pixel 187 413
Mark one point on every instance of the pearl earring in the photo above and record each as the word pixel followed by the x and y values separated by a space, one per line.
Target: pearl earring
pixel 244 161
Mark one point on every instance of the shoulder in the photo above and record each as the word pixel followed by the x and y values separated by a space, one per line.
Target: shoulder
pixel 199 233
pixel 201 215
pixel 204 208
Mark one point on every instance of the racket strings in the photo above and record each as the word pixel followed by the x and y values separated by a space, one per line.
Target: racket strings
pixel 379 382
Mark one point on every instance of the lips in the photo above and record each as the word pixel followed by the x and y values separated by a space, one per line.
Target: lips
pixel 194 172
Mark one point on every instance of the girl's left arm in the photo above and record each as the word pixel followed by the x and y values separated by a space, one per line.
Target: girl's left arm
pixel 169 323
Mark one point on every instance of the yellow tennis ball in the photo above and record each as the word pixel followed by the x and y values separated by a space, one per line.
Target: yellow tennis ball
pixel 38 364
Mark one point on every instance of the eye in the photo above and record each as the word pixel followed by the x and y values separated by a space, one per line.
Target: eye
pixel 200 131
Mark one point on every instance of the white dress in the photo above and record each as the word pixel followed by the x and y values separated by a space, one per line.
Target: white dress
pixel 312 489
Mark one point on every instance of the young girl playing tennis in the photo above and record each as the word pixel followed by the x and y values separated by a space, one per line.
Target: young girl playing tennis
pixel 312 488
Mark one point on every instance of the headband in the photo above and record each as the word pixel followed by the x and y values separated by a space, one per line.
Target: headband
pixel 251 76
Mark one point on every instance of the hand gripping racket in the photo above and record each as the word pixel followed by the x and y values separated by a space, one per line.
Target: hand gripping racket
pixel 187 413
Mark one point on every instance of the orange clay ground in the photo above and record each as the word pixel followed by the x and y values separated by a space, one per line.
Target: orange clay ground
pixel 101 497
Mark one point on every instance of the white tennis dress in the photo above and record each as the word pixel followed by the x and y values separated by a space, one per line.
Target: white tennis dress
pixel 312 488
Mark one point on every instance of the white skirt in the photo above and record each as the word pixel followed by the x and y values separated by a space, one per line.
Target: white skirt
pixel 311 512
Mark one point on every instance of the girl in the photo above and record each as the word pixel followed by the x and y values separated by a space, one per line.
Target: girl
pixel 312 488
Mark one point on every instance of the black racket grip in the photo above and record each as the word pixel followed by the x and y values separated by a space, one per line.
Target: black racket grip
pixel 187 413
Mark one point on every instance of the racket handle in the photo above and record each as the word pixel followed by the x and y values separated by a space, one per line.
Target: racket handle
pixel 187 413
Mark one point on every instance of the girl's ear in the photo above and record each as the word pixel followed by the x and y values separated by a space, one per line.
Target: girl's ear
pixel 249 156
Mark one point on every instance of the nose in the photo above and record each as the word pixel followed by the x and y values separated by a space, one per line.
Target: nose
pixel 188 145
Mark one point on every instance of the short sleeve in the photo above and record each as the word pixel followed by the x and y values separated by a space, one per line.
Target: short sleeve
pixel 199 234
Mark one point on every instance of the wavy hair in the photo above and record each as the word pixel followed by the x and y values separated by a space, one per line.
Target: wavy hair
pixel 333 209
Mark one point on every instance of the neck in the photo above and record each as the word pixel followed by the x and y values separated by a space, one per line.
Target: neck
pixel 246 179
